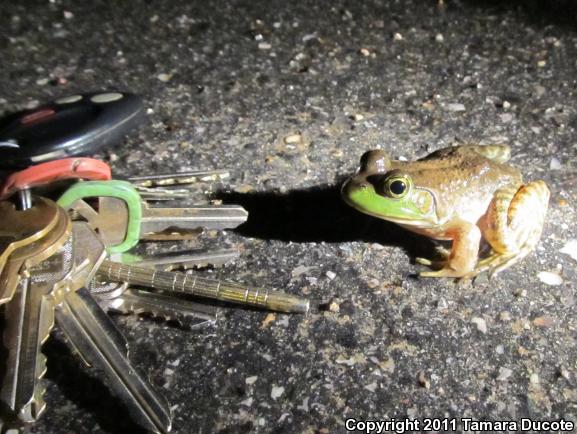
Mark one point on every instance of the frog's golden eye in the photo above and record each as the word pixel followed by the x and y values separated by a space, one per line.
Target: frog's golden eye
pixel 397 187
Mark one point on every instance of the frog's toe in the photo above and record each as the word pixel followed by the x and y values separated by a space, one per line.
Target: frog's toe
pixel 497 262
pixel 435 265
pixel 443 272
pixel 443 251
pixel 424 261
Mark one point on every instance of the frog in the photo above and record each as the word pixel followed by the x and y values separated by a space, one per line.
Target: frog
pixel 467 194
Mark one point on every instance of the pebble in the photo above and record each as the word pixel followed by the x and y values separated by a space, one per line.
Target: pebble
pixel 504 374
pixel 365 52
pixel 439 38
pixel 506 118
pixel 164 77
pixel 505 316
pixel 267 320
pixel 555 164
pixel 247 402
pixel 543 321
pixel 423 381
pixel 541 63
pixel 304 406
pixel 412 412
pixel 534 378
pixel 68 15
pixel 276 392
pixel 331 275
pixel 372 283
pixel 371 387
pixel 293 139
pixel 480 323
pixel 251 380
pixel 334 307
pixel 264 46
pixel 506 105
pixel 398 37
pixel 456 107
pixel 570 248
pixel 499 349
pixel 301 269
pixel 549 278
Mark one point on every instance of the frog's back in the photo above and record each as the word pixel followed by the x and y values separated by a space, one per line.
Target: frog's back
pixel 459 164
pixel 461 177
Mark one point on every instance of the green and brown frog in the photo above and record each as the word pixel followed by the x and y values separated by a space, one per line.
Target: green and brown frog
pixel 462 193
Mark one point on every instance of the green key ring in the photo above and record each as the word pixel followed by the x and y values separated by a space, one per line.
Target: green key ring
pixel 117 189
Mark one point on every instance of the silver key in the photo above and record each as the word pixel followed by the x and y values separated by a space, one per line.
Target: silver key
pixel 97 340
pixel 122 217
pixel 117 297
pixel 161 187
pixel 160 223
pixel 180 260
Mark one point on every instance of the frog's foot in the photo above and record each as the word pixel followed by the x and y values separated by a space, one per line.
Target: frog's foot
pixel 443 252
pixel 513 225
pixel 497 262
pixel 443 272
pixel 463 255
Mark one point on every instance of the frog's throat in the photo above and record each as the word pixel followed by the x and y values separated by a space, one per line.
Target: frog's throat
pixel 402 212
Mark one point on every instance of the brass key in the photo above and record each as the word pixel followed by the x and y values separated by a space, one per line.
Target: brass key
pixel 180 283
pixel 30 312
pixel 17 230
pixel 51 274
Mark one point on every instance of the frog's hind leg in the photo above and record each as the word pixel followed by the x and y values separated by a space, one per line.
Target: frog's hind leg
pixel 513 225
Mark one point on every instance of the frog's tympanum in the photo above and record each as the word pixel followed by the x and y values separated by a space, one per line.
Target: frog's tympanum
pixel 463 194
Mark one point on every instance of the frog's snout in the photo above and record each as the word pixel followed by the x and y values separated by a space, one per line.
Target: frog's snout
pixel 375 161
pixel 353 185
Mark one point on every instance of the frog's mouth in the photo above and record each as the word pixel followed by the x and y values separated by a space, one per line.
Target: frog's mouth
pixel 416 210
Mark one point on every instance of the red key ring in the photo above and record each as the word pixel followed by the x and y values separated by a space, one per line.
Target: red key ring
pixel 51 171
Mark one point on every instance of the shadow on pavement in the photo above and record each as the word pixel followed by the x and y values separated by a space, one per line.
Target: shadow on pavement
pixel 318 214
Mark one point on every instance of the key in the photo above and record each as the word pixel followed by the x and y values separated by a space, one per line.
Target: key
pixel 122 219
pixel 173 282
pixel 179 260
pixel 50 285
pixel 19 230
pixel 163 187
pixel 121 298
pixel 29 315
pixel 97 340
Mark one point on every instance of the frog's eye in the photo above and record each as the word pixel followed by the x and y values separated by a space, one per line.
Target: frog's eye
pixel 397 187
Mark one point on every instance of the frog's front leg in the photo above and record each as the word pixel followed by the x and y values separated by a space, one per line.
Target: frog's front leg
pixel 464 252
pixel 513 224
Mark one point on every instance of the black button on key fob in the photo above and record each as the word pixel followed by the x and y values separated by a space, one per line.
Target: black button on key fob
pixel 70 126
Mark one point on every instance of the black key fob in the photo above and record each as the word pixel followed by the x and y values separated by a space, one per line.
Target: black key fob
pixel 70 126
